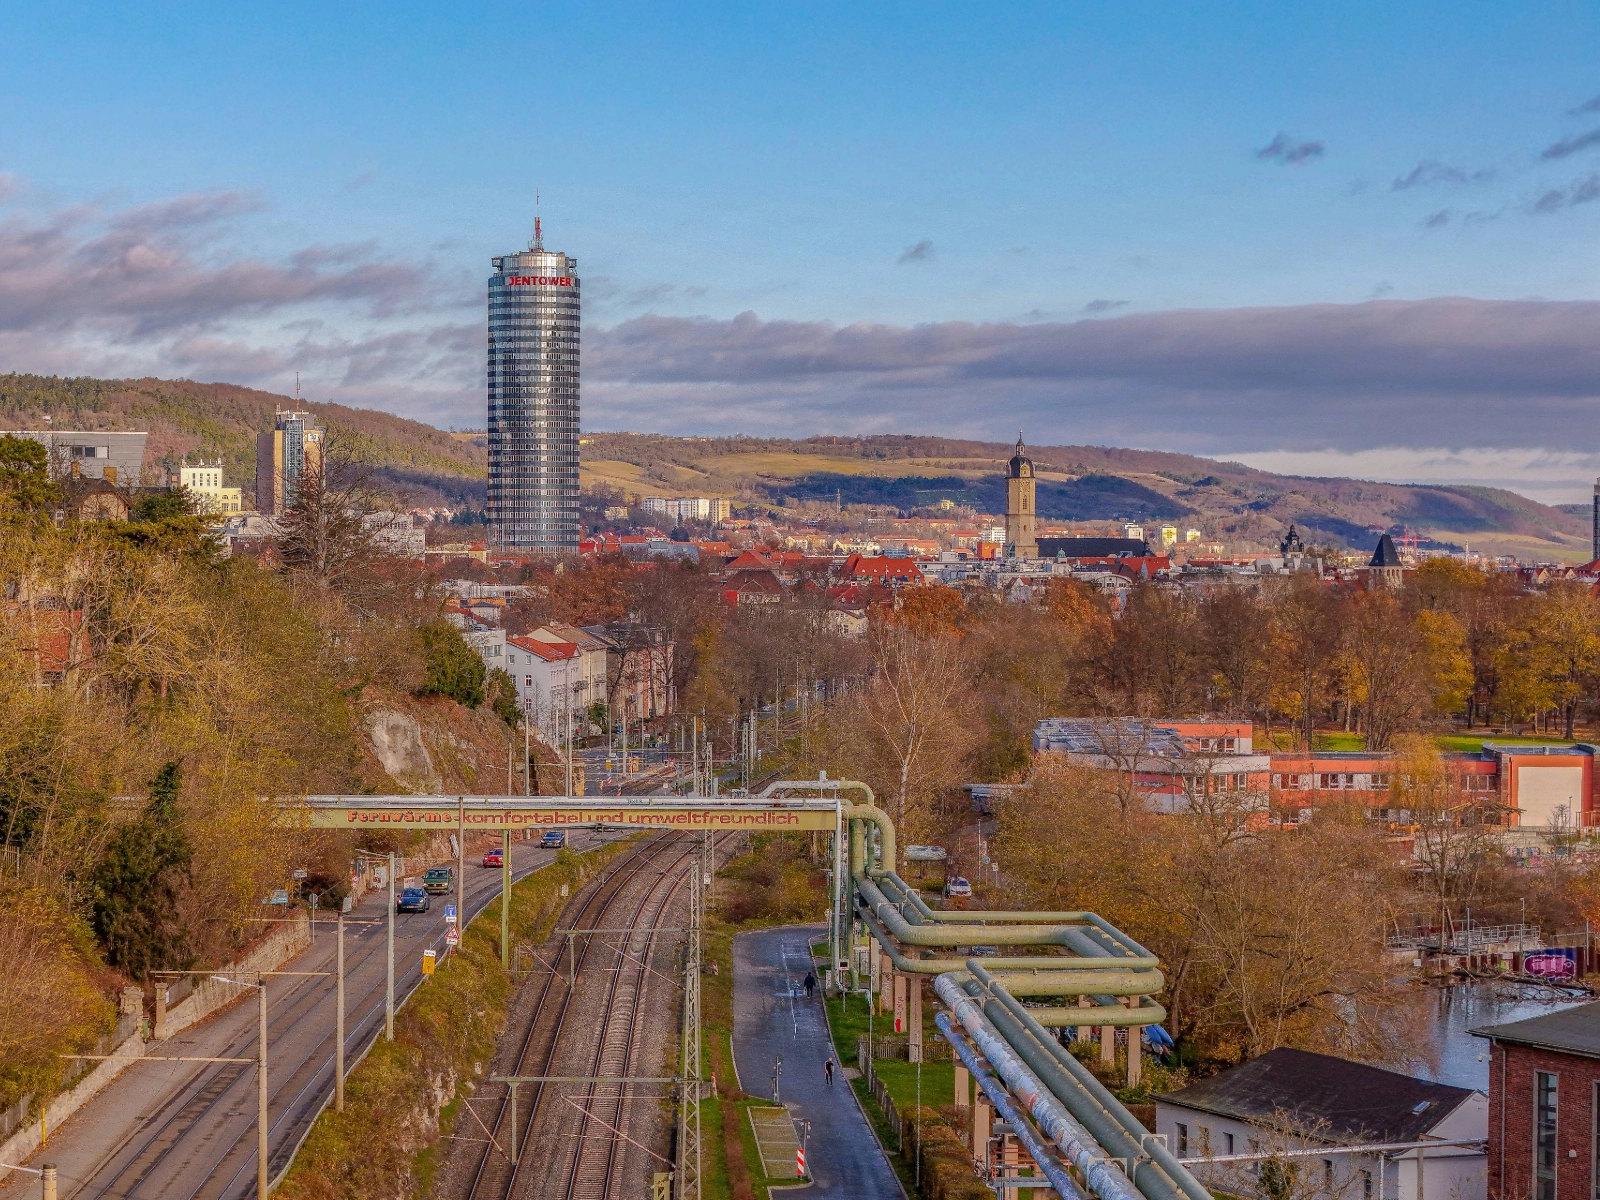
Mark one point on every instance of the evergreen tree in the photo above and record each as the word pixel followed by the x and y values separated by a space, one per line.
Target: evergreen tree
pixel 450 667
pixel 136 885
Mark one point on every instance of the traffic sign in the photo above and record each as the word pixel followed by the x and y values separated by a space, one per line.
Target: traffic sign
pixel 800 1162
pixel 452 936
pixel 449 914
pixel 428 959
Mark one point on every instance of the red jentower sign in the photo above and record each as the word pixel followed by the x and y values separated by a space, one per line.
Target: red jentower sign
pixel 538 280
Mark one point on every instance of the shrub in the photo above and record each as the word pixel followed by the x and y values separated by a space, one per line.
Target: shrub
pixel 450 667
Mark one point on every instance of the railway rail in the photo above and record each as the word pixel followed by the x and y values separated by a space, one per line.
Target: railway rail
pixel 588 1169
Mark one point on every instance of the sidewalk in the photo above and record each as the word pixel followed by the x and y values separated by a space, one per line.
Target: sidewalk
pixel 773 1019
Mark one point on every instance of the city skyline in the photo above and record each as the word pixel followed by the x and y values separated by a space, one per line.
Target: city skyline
pixel 1368 252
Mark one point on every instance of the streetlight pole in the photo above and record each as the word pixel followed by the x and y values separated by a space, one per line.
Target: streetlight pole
pixel 338 1027
pixel 261 1101
pixel 388 995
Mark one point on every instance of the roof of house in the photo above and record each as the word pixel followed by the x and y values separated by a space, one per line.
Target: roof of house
pixel 1343 1100
pixel 549 651
pixel 1571 1030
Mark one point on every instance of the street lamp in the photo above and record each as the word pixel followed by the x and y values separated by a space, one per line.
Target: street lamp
pixel 261 1084
pixel 388 995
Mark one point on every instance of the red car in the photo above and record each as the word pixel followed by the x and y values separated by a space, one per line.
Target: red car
pixel 493 857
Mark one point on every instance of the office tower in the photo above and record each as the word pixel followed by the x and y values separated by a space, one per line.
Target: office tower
pixel 284 455
pixel 1020 541
pixel 533 401
pixel 1594 548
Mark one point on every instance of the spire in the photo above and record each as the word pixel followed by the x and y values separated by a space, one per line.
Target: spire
pixel 1020 446
pixel 538 234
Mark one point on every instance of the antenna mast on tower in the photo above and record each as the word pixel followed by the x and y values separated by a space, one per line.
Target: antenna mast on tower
pixel 538 236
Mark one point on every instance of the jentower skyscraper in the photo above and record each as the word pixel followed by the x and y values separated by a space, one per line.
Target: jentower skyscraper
pixel 533 401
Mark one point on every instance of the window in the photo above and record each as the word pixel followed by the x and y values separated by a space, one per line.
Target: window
pixel 1183 1139
pixel 1327 1173
pixel 1544 1135
pixel 527 681
pixel 1227 1143
pixel 1366 1185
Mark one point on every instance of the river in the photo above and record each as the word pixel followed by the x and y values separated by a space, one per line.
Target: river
pixel 1463 1060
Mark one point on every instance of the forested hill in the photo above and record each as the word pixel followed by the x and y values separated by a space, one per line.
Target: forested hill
pixel 220 420
pixel 1226 500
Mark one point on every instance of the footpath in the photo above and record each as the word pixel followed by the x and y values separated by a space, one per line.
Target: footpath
pixel 773 1020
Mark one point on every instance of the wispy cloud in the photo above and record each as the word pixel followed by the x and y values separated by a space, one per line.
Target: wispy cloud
pixel 1105 306
pixel 1291 151
pixel 1428 172
pixel 1571 145
pixel 1581 191
pixel 1437 220
pixel 1591 105
pixel 921 252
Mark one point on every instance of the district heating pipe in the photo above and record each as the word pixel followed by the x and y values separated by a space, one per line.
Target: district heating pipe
pixel 1161 1175
pixel 1076 1142
pixel 993 1088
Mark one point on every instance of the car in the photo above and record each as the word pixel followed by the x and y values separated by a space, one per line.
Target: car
pixel 438 880
pixel 553 839
pixel 956 885
pixel 985 951
pixel 412 899
pixel 494 857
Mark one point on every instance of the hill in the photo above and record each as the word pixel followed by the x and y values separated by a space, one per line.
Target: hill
pixel 210 421
pixel 1226 500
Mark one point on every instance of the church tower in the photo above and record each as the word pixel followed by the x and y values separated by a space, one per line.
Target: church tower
pixel 1020 542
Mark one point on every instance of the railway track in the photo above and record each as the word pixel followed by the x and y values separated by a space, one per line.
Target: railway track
pixel 588 1169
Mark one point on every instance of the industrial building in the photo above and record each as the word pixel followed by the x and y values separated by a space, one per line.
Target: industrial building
pixel 534 329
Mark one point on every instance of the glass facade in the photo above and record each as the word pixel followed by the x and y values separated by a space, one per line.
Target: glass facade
pixel 533 402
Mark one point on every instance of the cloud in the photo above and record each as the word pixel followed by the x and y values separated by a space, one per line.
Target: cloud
pixel 1105 306
pixel 1346 377
pixel 1582 191
pixel 1592 105
pixel 1437 220
pixel 1571 145
pixel 1291 151
pixel 1381 289
pixel 1428 172
pixel 921 252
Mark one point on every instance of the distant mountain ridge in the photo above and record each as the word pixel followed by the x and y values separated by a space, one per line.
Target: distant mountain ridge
pixel 1226 500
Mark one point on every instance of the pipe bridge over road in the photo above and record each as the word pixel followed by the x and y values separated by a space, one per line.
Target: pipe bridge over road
pixel 1081 1139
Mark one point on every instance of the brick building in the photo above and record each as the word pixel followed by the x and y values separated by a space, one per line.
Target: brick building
pixel 1544 1106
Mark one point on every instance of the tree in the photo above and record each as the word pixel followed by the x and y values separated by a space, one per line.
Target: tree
pixel 1307 617
pixel 1568 629
pixel 501 692
pixel 450 667
pixel 25 482
pixel 137 882
pixel 1236 637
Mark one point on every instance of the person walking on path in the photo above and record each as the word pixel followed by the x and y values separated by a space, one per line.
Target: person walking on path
pixel 811 984
pixel 827 1069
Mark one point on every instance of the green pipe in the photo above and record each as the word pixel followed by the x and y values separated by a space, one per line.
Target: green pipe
pixel 1085 1096
pixel 925 935
pixel 870 812
pixel 1112 1013
pixel 1121 943
pixel 1048 963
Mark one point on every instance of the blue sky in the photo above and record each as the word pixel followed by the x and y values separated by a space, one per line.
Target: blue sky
pixel 921 218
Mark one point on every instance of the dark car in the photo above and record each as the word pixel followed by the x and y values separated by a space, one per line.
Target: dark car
pixel 494 857
pixel 438 880
pixel 553 839
pixel 412 899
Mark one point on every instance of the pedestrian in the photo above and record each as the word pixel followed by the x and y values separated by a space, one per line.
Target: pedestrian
pixel 811 984
pixel 827 1069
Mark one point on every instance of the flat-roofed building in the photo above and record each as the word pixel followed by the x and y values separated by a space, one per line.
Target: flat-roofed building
pixel 90 454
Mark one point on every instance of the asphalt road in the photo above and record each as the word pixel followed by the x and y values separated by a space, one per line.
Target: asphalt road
pixel 771 1019
pixel 187 1131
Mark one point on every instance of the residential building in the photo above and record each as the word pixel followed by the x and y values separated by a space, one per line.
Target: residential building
pixel 285 454
pixel 891 572
pixel 90 454
pixel 639 663
pixel 1020 509
pixel 1171 764
pixel 544 675
pixel 1544 1106
pixel 679 509
pixel 534 326
pixel 204 484
pixel 397 534
pixel 1294 1100
pixel 1071 548
pixel 590 685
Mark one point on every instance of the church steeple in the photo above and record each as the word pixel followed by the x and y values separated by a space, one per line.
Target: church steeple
pixel 1020 539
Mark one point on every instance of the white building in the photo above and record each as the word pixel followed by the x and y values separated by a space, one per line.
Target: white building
pixel 545 676
pixel 686 508
pixel 1293 1100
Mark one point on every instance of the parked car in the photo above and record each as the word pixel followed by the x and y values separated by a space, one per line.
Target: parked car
pixel 957 885
pixel 553 839
pixel 412 899
pixel 985 951
pixel 438 880
pixel 494 857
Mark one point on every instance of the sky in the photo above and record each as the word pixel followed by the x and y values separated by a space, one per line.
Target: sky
pixel 1353 239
